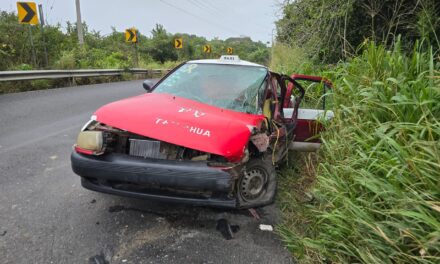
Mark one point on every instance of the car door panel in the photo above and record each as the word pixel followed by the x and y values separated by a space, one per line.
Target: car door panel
pixel 309 122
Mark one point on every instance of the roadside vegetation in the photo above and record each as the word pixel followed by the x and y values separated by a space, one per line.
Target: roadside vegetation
pixel 372 193
pixel 154 50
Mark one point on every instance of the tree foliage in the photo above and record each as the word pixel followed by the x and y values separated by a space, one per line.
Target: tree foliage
pixel 111 50
pixel 161 48
pixel 330 30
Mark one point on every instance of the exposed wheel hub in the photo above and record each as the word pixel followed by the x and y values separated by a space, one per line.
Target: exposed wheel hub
pixel 252 185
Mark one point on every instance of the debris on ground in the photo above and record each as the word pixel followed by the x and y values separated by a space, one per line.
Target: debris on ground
pixel 98 259
pixel 226 229
pixel 266 227
pixel 254 213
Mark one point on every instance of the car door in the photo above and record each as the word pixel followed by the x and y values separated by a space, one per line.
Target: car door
pixel 305 105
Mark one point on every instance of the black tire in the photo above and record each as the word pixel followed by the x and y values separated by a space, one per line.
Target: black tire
pixel 252 191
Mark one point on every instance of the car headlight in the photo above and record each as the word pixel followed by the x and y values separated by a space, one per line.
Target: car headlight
pixel 90 142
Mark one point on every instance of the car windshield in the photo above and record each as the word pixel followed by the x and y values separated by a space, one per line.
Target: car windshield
pixel 232 87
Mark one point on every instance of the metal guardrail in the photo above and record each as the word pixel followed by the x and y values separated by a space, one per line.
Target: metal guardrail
pixel 54 74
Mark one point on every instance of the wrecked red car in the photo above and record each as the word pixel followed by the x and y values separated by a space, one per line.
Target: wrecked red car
pixel 211 132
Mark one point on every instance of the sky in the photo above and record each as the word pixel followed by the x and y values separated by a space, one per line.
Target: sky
pixel 207 18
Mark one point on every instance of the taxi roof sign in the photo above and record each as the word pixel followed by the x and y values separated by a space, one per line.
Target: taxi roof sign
pixel 230 58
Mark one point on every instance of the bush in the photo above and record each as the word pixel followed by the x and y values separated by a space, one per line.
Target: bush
pixel 377 191
pixel 288 59
pixel 66 61
pixel 23 67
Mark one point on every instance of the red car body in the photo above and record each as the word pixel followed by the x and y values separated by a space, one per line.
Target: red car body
pixel 183 122
pixel 164 146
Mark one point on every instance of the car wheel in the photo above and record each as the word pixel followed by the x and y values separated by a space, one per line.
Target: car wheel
pixel 257 184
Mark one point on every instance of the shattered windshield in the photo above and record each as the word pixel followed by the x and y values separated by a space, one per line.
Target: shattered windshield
pixel 232 87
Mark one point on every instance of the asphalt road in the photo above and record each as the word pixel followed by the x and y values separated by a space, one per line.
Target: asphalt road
pixel 47 217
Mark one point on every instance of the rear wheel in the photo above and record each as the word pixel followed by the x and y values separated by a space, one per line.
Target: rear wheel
pixel 257 184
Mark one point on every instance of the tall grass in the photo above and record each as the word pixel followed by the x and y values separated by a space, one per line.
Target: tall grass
pixel 285 59
pixel 378 180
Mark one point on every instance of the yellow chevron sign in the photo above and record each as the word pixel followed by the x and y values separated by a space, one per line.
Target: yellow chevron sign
pixel 207 48
pixel 178 43
pixel 27 13
pixel 230 50
pixel 131 35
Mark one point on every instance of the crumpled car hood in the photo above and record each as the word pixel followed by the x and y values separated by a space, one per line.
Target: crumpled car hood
pixel 182 122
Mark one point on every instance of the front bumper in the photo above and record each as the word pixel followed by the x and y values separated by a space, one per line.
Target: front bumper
pixel 188 182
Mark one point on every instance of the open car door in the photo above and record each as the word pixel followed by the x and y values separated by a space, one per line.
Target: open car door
pixel 309 118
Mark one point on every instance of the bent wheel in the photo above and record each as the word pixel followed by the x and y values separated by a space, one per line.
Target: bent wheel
pixel 257 184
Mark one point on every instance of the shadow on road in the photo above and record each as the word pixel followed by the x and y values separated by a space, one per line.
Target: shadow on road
pixel 170 233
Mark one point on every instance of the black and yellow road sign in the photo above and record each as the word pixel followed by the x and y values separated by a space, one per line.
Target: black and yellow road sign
pixel 207 48
pixel 230 50
pixel 178 43
pixel 27 13
pixel 131 35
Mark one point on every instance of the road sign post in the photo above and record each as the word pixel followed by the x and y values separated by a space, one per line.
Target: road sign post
pixel 230 50
pixel 131 36
pixel 34 57
pixel 136 54
pixel 27 14
pixel 40 11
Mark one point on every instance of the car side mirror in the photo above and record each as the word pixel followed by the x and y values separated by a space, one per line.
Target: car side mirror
pixel 148 85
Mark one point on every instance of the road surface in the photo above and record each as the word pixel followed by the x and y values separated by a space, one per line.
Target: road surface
pixel 47 217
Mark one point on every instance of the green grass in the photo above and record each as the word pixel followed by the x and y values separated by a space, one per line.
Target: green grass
pixel 377 187
pixel 285 59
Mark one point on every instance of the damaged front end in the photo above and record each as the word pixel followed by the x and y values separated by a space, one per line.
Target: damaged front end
pixel 115 161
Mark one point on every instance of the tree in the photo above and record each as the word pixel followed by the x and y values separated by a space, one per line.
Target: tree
pixel 108 51
pixel 330 30
pixel 162 48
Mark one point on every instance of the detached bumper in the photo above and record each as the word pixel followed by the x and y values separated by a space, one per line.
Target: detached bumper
pixel 172 181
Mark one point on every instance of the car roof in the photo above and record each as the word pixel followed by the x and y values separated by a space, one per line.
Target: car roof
pixel 237 61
